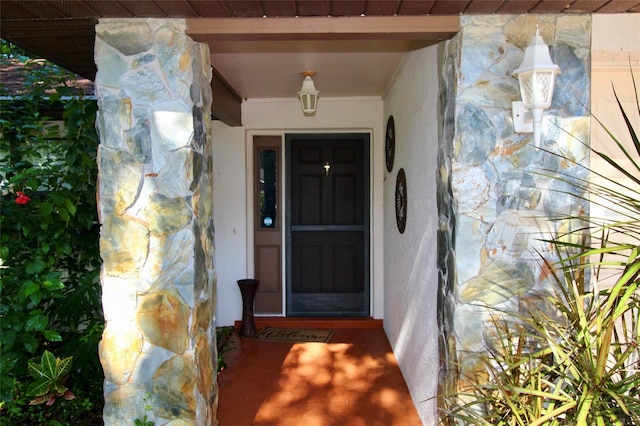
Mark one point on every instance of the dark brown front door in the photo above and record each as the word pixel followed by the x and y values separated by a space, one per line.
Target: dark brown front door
pixel 328 225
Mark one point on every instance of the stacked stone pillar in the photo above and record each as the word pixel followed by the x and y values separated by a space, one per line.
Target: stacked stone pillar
pixel 499 197
pixel 158 349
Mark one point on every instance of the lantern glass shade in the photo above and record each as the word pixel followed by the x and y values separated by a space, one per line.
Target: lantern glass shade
pixel 308 96
pixel 536 88
pixel 537 74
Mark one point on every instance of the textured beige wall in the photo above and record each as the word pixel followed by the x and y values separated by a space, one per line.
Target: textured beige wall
pixel 411 283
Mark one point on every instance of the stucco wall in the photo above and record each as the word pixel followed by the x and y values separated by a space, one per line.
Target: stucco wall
pixel 410 258
pixel 616 32
pixel 229 216
pixel 232 160
pixel 616 47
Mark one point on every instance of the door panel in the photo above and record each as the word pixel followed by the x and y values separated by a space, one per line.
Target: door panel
pixel 328 261
pixel 268 265
pixel 267 226
pixel 327 226
pixel 309 206
pixel 345 207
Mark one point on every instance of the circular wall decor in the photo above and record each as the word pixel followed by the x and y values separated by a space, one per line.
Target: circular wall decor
pixel 401 201
pixel 390 143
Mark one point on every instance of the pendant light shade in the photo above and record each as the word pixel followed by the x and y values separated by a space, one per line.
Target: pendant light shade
pixel 308 94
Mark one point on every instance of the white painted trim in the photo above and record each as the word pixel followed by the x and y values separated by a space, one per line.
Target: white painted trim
pixel 620 59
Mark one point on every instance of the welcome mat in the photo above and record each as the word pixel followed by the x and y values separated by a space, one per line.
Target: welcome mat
pixel 294 335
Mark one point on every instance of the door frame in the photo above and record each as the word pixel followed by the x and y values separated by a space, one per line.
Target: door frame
pixel 366 139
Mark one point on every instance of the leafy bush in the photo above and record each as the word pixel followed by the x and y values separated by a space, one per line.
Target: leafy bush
pixel 49 257
pixel 577 364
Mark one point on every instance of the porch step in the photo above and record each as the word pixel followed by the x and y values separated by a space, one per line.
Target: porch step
pixel 311 322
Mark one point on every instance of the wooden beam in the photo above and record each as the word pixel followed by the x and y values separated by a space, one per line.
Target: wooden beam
pixel 325 28
pixel 227 104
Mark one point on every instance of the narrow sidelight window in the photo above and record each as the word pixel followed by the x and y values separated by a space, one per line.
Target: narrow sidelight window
pixel 268 188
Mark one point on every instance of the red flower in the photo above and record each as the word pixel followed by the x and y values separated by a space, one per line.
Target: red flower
pixel 22 198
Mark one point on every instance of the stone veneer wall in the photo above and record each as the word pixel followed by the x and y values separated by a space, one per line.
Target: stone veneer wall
pixel 494 201
pixel 155 202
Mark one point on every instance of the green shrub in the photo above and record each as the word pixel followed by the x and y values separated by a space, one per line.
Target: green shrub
pixel 49 256
pixel 577 364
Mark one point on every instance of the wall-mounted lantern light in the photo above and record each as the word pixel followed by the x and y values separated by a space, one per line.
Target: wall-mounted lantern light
pixel 308 94
pixel 536 75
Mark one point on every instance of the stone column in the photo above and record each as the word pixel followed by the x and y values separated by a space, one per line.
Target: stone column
pixel 158 349
pixel 499 197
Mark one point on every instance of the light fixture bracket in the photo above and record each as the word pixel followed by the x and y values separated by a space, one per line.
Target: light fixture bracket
pixel 522 118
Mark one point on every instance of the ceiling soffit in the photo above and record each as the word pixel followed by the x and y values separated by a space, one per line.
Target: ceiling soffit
pixel 352 56
pixel 354 45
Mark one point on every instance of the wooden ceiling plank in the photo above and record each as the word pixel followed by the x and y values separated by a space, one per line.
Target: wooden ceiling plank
pixel 177 8
pixel 42 45
pixel 73 9
pixel 620 6
pixel 94 13
pixel 313 8
pixel 11 10
pixel 381 7
pixel 38 9
pixel 64 9
pixel 410 7
pixel 32 27
pixel 487 7
pixel 144 9
pixel 210 8
pixel 63 44
pixel 347 8
pixel 55 40
pixel 518 6
pixel 551 6
pixel 586 6
pixel 245 8
pixel 110 9
pixel 278 8
pixel 444 7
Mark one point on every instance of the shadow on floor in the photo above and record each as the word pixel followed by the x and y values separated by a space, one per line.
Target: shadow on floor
pixel 352 380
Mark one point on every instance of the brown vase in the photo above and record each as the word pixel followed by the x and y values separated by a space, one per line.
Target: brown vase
pixel 248 289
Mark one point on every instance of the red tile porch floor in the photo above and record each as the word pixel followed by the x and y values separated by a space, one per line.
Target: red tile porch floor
pixel 353 380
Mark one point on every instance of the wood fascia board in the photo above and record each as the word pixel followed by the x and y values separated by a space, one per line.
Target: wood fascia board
pixel 227 104
pixel 325 28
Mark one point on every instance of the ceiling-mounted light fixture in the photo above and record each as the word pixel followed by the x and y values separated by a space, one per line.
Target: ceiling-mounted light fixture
pixel 308 94
pixel 536 76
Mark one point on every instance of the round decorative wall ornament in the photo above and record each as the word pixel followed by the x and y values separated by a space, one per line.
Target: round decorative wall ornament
pixel 390 143
pixel 401 200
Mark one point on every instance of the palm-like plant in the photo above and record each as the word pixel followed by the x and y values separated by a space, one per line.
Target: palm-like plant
pixel 579 365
